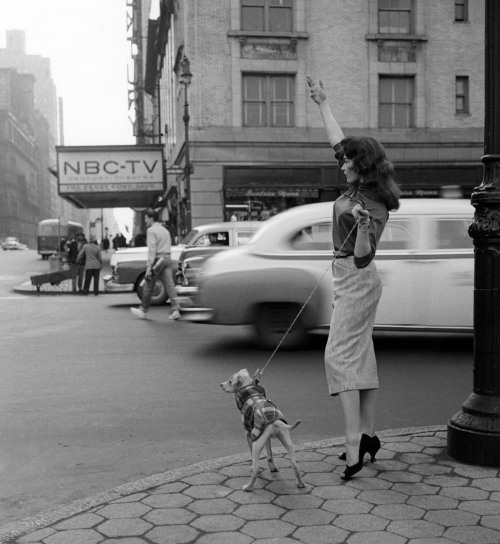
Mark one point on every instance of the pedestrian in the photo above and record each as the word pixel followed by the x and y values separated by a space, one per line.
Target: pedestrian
pixel 359 218
pixel 105 244
pixel 91 252
pixel 78 267
pixel 159 245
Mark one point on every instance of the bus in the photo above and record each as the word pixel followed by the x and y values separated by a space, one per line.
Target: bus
pixel 53 234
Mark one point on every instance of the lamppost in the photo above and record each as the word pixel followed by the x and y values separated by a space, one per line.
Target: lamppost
pixel 185 80
pixel 474 432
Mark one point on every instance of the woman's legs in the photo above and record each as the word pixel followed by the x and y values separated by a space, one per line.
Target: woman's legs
pixel 351 407
pixel 367 401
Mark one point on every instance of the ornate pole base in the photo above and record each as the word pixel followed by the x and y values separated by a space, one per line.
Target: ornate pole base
pixel 474 432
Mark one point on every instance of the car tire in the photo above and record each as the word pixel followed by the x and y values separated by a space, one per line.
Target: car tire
pixel 272 322
pixel 159 295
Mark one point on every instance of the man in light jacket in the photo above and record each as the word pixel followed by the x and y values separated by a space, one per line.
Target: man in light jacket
pixel 93 264
pixel 159 266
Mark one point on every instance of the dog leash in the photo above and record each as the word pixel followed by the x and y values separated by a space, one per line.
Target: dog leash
pixel 258 373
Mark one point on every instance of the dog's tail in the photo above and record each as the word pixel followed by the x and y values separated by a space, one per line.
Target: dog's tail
pixel 284 425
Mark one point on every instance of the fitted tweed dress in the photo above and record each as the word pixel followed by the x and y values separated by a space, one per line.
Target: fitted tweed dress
pixel 349 356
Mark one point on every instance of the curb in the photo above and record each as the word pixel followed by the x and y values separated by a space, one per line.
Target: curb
pixel 44 519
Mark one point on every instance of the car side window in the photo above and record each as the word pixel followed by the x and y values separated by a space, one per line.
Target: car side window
pixel 397 235
pixel 317 237
pixel 220 238
pixel 243 237
pixel 453 234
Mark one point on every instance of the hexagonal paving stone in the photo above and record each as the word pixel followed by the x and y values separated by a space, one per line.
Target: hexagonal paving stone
pixel 401 477
pixel 123 527
pixel 446 481
pixel 260 496
pixel 207 491
pixel 308 516
pixel 432 441
pixel 483 508
pixel 335 492
pixel 76 536
pixel 452 518
pixel 238 483
pixel 136 497
pixel 464 493
pixel 236 470
pixel 319 479
pixel 124 510
pixel 473 535
pixel 347 506
pixel 309 456
pixel 298 501
pixel 491 521
pixel 398 511
pixel 368 484
pixel 392 465
pixel 488 484
pixel 415 528
pixel 225 538
pixel 170 500
pixel 415 458
pixel 173 487
pixel 404 447
pixel 415 489
pixel 382 496
pixel 361 522
pixel 36 536
pixel 213 506
pixel 323 534
pixel 259 511
pixel 286 487
pixel 432 502
pixel 169 516
pixel 268 529
pixel 476 472
pixel 82 521
pixel 173 534
pixel 220 522
pixel 205 478
pixel 430 469
pixel 315 466
pixel 377 537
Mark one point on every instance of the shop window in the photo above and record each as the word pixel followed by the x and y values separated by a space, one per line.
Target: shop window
pixel 462 94
pixel 268 100
pixel 461 11
pixel 396 102
pixel 395 16
pixel 267 15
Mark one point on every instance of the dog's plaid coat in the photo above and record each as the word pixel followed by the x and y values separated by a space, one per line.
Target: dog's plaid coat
pixel 257 411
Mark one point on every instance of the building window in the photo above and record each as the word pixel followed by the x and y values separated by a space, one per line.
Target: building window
pixel 396 102
pixel 268 15
pixel 268 101
pixel 395 16
pixel 462 94
pixel 461 11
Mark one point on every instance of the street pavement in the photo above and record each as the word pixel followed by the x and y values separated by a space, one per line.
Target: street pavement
pixel 413 494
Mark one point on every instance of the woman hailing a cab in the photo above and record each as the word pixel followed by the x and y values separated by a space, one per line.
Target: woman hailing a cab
pixel 359 218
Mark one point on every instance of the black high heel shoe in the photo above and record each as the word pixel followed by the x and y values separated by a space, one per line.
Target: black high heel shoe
pixel 372 449
pixel 350 471
pixel 343 456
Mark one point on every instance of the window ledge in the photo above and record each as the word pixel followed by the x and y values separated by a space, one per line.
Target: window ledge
pixel 397 37
pixel 245 34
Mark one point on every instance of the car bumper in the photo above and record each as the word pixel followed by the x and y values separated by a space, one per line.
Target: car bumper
pixel 196 314
pixel 110 286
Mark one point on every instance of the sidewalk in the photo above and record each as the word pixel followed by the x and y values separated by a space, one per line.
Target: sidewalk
pixel 413 494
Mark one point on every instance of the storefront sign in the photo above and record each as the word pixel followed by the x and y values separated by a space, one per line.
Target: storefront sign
pixel 275 192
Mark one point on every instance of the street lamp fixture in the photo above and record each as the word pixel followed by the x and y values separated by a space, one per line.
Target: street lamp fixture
pixel 185 79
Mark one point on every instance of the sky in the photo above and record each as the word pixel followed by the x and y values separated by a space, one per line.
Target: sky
pixel 87 44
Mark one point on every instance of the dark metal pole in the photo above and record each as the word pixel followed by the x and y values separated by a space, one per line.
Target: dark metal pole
pixel 187 167
pixel 474 432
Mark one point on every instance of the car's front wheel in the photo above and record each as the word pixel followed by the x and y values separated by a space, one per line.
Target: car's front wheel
pixel 159 295
pixel 272 322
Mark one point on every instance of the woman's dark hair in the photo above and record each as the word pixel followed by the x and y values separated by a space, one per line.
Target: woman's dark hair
pixel 152 214
pixel 370 160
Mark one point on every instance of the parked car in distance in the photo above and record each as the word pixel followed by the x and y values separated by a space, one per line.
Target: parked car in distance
pixel 130 273
pixel 425 260
pixel 212 239
pixel 12 243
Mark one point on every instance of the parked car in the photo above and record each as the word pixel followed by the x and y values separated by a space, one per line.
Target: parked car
pixel 129 274
pixel 212 239
pixel 12 243
pixel 425 260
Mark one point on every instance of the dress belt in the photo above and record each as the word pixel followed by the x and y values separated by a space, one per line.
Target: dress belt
pixel 342 254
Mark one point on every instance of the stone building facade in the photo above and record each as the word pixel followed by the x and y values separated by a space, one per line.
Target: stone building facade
pixel 408 72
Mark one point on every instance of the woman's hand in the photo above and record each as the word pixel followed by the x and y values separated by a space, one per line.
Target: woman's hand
pixel 361 216
pixel 317 91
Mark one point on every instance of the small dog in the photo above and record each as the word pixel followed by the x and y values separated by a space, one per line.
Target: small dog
pixel 262 421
